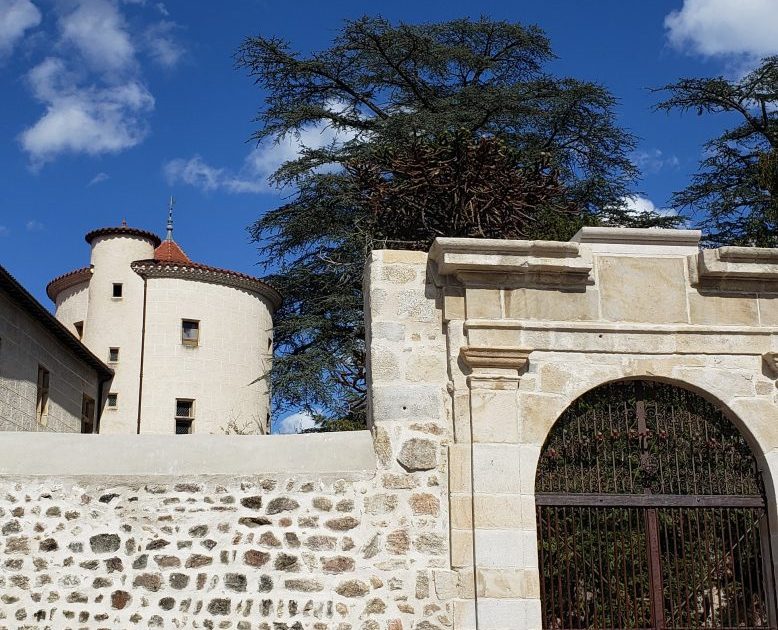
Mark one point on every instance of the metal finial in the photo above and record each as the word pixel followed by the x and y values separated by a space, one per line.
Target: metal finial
pixel 170 218
pixel 124 222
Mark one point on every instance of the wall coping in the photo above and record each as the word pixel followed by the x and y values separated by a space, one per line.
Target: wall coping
pixel 637 241
pixel 539 262
pixel 347 454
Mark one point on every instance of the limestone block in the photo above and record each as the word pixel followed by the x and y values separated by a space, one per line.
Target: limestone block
pixel 462 416
pixel 384 364
pixel 398 273
pixel 768 310
pixel 537 414
pixel 459 468
pixel 721 383
pixel 504 614
pixel 388 331
pixel 406 402
pixel 723 310
pixel 760 419
pixel 464 615
pixel 404 256
pixel 429 367
pixel 483 303
pixel 499 548
pixel 461 548
pixel 494 415
pixel 649 290
pixel 496 468
pixel 453 306
pixel 551 304
pixel 461 511
pixel 500 511
pixel 507 583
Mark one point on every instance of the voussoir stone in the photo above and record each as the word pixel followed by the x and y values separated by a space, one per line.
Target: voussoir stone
pixel 418 454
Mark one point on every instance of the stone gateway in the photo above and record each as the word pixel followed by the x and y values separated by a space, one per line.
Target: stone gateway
pixel 481 355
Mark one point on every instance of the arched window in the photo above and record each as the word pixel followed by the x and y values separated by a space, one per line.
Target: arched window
pixel 651 514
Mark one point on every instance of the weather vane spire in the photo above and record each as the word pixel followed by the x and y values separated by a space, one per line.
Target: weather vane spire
pixel 171 203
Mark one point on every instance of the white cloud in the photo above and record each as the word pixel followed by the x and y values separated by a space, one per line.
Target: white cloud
pixel 258 165
pixel 34 226
pixel 654 161
pixel 83 119
pixel 98 31
pixel 637 204
pixel 100 177
pixel 294 423
pixel 161 45
pixel 725 27
pixel 16 17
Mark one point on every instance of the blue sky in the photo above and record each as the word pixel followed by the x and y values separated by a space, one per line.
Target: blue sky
pixel 108 107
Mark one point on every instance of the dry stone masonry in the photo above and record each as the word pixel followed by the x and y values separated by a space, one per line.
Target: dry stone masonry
pixel 428 521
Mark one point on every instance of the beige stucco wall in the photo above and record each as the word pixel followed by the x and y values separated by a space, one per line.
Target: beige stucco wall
pixel 24 345
pixel 72 306
pixel 222 373
pixel 117 322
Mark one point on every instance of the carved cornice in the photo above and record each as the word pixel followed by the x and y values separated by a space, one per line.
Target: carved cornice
pixel 735 269
pixel 503 357
pixel 541 263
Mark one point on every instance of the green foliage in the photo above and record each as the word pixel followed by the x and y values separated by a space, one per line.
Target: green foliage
pixel 736 187
pixel 413 104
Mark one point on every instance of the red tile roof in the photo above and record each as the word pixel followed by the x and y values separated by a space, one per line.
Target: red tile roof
pixel 169 251
pixel 67 280
pixel 123 230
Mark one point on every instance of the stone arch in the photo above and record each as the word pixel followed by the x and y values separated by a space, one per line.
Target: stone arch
pixel 758 444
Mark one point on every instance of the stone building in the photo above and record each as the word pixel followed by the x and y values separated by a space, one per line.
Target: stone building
pixel 188 342
pixel 49 381
pixel 503 377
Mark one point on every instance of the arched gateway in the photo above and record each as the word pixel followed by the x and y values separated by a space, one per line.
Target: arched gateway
pixel 651 514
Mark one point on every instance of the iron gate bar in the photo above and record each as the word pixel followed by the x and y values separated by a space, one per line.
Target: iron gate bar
pixel 585 499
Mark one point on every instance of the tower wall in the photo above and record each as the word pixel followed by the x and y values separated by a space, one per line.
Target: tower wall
pixel 117 322
pixel 222 373
pixel 72 306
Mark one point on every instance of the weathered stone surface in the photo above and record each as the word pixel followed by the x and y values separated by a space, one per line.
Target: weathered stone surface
pixel 197 560
pixel 256 558
pixel 352 588
pixel 119 599
pixel 337 564
pixel 282 504
pixel 305 586
pixel 286 562
pixel 418 454
pixel 149 581
pixel 425 503
pixel 343 523
pixel 235 582
pixel 219 606
pixel 252 503
pixel 104 543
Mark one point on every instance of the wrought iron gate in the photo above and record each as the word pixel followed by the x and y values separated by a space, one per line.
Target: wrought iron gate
pixel 651 514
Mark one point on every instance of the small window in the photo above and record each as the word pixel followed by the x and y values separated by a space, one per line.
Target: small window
pixel 190 332
pixel 87 414
pixel 113 355
pixel 117 289
pixel 79 326
pixel 112 401
pixel 184 416
pixel 42 402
